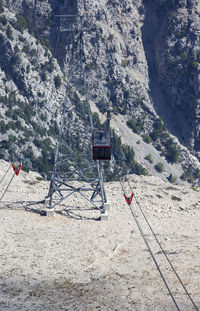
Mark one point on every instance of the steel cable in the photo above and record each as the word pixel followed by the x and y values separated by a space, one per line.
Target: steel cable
pixel 150 251
pixel 5 173
pixel 153 257
pixel 22 156
pixel 164 253
pixel 158 242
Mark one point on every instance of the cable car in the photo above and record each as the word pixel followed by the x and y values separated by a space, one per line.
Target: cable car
pixel 101 142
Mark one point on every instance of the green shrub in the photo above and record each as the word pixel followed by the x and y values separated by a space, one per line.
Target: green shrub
pixel 43 76
pixel 111 2
pixel 96 120
pixel 159 167
pixel 28 68
pixel 1 6
pixel 147 139
pixel 25 169
pixel 184 57
pixel 158 147
pixel 57 81
pixel 20 24
pixel 9 33
pixel 136 126
pixel 48 66
pixel 11 139
pixel 2 127
pixel 115 110
pixel 125 63
pixel 158 128
pixel 172 179
pixel 3 19
pixel 149 158
pixel 171 153
pixel 8 77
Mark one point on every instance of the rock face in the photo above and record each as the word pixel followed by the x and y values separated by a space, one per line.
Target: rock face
pixel 171 34
pixel 142 59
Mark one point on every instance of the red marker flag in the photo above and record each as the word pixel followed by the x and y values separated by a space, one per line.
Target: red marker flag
pixel 16 170
pixel 129 200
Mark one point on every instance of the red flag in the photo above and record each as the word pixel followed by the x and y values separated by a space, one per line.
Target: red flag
pixel 129 200
pixel 16 170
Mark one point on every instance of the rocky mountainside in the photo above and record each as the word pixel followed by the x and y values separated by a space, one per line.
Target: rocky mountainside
pixel 142 60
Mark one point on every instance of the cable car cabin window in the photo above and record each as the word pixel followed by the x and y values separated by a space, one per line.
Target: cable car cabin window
pixel 101 145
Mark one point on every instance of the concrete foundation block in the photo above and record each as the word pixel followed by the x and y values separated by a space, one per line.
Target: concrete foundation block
pixel 104 216
pixel 50 213
pixel 107 207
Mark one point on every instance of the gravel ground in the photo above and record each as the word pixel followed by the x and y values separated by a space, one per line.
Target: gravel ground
pixel 61 263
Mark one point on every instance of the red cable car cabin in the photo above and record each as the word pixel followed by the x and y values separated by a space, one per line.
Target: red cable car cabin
pixel 101 145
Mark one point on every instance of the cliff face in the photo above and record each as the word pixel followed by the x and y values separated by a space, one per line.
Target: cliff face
pixel 142 59
pixel 171 34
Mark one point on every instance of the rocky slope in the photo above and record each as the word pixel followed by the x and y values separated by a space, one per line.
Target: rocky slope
pixel 141 59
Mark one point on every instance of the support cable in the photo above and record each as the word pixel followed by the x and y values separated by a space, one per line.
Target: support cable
pixel 22 153
pixel 164 253
pixel 5 173
pixel 152 255
pixel 158 242
pixel 8 185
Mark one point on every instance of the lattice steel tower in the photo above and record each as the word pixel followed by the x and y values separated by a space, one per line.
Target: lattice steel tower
pixel 78 171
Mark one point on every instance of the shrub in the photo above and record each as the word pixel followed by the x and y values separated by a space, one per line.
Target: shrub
pixel 96 120
pixel 149 158
pixel 111 2
pixel 3 19
pixel 125 63
pixel 136 126
pixel 12 139
pixel 9 33
pixel 20 24
pixel 171 154
pixel 43 76
pixel 172 179
pixel 8 77
pixel 28 68
pixel 1 6
pixel 147 139
pixel 2 127
pixel 158 128
pixel 49 66
pixel 158 147
pixel 57 81
pixel 159 167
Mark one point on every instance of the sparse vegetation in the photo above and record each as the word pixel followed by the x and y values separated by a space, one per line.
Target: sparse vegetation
pixel 20 24
pixel 136 126
pixel 57 81
pixel 147 139
pixel 125 63
pixel 158 128
pixel 1 6
pixel 3 19
pixel 172 179
pixel 159 167
pixel 9 33
pixel 171 153
pixel 149 158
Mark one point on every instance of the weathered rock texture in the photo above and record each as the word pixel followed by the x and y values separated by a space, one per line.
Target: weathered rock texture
pixel 142 58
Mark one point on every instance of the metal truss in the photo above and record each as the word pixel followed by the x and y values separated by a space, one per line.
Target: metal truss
pixel 74 171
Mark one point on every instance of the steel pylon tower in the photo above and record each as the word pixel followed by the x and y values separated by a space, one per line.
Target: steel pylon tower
pixel 75 171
